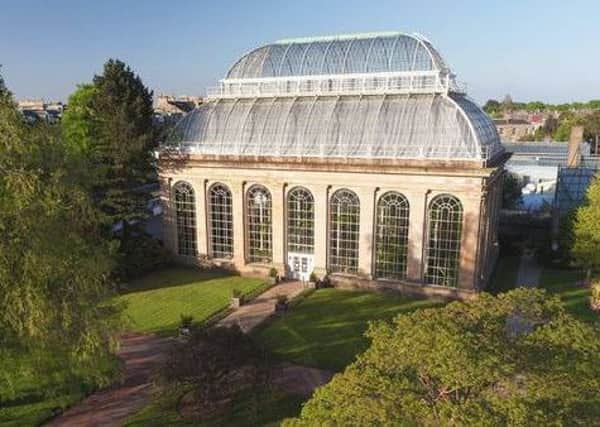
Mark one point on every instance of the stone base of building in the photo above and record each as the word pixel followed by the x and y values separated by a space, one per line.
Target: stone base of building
pixel 418 290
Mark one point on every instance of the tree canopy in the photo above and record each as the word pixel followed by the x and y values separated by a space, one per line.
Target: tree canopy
pixel 515 359
pixel 54 264
pixel 586 229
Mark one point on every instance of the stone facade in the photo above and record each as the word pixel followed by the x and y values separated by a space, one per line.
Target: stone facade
pixel 477 186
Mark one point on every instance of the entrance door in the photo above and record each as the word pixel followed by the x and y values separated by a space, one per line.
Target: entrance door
pixel 300 266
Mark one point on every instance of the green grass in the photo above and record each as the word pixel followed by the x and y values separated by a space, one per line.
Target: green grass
pixel 273 409
pixel 326 329
pixel 156 302
pixel 564 284
pixel 34 395
pixel 505 274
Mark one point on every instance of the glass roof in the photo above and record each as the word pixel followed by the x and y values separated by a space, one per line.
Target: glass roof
pixel 431 126
pixel 345 54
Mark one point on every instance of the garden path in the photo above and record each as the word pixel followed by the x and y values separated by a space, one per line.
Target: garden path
pixel 144 353
pixel 529 271
pixel 250 315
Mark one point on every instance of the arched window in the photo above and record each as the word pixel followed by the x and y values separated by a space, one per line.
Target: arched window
pixel 301 221
pixel 259 225
pixel 221 221
pixel 344 224
pixel 185 213
pixel 445 216
pixel 391 237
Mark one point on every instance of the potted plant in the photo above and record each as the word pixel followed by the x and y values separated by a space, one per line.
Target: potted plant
pixel 185 325
pixel 237 298
pixel 273 279
pixel 312 280
pixel 282 304
pixel 595 297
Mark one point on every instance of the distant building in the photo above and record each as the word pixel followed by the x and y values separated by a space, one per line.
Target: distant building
pixel 514 130
pixel 37 109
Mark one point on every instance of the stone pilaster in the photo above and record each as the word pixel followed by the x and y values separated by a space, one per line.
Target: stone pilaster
pixel 417 232
pixel 278 221
pixel 320 194
pixel 366 239
pixel 201 220
pixel 237 207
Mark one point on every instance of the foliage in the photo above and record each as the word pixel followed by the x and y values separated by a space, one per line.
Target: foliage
pixel 237 293
pixel 273 272
pixel 586 231
pixel 282 299
pixel 77 120
pixel 492 107
pixel 154 302
pixel 123 140
pixel 595 295
pixel 515 359
pixel 567 285
pixel 215 364
pixel 326 329
pixel 141 254
pixel 511 191
pixel 54 264
pixel 313 277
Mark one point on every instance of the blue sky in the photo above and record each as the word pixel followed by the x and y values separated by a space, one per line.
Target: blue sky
pixel 543 50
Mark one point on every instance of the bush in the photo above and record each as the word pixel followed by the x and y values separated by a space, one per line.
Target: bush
pixel 142 254
pixel 282 299
pixel 515 359
pixel 237 293
pixel 215 365
pixel 273 272
pixel 313 277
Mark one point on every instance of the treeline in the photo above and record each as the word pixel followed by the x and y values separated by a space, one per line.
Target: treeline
pixel 494 107
pixel 72 213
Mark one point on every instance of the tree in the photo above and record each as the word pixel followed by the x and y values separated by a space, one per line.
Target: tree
pixel 511 191
pixel 515 359
pixel 77 120
pixel 492 107
pixel 591 125
pixel 123 143
pixel 586 230
pixel 55 291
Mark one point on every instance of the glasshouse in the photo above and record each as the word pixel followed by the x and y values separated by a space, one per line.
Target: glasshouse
pixel 358 157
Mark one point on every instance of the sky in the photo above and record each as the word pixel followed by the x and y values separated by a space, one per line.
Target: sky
pixel 533 50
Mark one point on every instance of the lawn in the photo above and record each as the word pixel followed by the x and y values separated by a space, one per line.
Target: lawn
pixel 156 302
pixel 326 330
pixel 564 284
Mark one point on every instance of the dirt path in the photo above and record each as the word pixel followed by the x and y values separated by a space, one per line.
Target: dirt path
pixel 142 354
pixel 529 271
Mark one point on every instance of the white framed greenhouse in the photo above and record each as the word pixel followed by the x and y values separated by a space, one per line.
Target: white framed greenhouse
pixel 353 156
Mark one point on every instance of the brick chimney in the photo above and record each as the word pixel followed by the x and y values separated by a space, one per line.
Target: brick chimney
pixel 575 141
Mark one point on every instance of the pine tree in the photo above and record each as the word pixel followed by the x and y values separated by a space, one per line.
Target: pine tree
pixel 122 143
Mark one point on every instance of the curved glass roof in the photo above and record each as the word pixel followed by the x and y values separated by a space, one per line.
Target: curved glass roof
pixel 430 126
pixel 346 54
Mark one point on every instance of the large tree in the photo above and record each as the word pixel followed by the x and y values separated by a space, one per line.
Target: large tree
pixel 586 230
pixel 122 142
pixel 515 359
pixel 55 291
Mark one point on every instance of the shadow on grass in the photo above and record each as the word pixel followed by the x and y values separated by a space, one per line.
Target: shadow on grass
pixel 172 277
pixel 326 330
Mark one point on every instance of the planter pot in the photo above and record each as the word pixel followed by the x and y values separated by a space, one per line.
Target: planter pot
pixel 236 302
pixel 273 280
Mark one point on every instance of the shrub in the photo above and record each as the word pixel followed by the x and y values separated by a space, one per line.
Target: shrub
pixel 313 277
pixel 282 299
pixel 515 359
pixel 273 272
pixel 141 254
pixel 237 293
pixel 186 321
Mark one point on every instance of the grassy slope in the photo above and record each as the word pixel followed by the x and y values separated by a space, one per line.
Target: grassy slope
pixel 326 330
pixel 156 302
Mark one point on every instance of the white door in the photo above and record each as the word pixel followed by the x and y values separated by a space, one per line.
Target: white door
pixel 300 266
